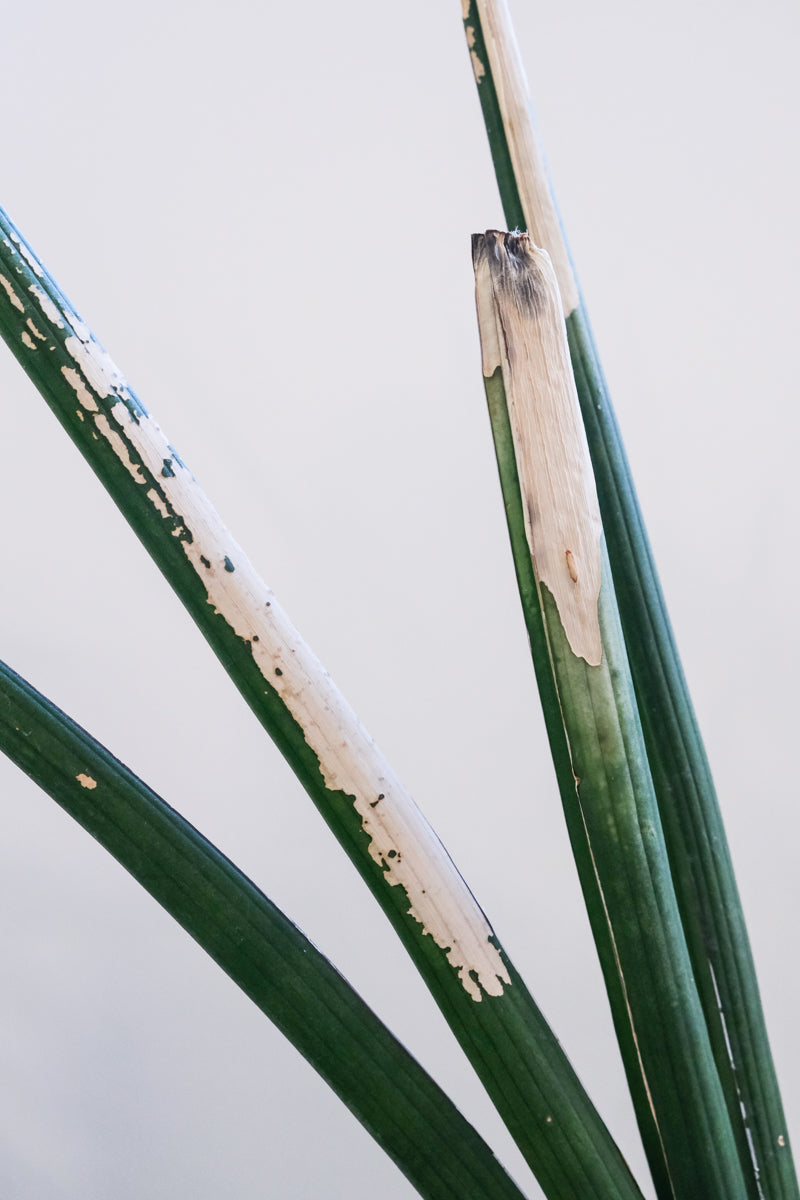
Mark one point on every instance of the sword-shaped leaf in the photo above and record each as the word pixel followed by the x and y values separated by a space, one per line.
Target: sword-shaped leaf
pixel 486 1004
pixel 699 855
pixel 531 391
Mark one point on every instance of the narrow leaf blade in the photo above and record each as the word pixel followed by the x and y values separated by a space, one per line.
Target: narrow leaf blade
pixel 697 845
pixel 526 360
pixel 450 939
pixel 406 1112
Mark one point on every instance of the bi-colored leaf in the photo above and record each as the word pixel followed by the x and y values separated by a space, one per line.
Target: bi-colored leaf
pixel 701 864
pixel 529 381
pixel 488 1007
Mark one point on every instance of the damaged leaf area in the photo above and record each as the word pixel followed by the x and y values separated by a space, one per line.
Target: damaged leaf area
pixel 522 335
pixel 93 399
pixel 513 136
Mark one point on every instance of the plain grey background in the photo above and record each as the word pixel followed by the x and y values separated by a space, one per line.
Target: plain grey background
pixel 264 214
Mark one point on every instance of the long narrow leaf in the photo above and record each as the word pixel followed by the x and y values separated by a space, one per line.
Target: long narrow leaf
pixel 700 858
pixel 406 1112
pixel 527 371
pixel 449 937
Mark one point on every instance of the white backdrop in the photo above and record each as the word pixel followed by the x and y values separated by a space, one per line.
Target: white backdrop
pixel 264 214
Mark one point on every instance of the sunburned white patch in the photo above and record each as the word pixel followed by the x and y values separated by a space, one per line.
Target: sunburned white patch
pixel 78 384
pixel 400 839
pixel 8 288
pixel 47 306
pixel 479 70
pixel 158 503
pixel 119 446
pixel 527 159
pixel 101 373
pixel 522 330
pixel 86 781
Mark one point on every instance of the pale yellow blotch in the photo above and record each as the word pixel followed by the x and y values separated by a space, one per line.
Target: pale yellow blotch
pixel 27 340
pixel 12 295
pixel 86 781
pixel 781 1140
pixel 158 502
pixel 477 66
pixel 470 32
pixel 47 306
pixel 120 447
pixel 465 7
pixel 521 324
pixel 78 384
pixel 36 332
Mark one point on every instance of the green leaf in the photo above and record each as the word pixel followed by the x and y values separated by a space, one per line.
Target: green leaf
pixel 529 382
pixel 406 1112
pixel 698 850
pixel 486 1004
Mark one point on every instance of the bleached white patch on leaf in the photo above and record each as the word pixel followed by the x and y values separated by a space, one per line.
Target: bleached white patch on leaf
pixel 47 306
pixel 119 446
pixel 98 368
pixel 158 503
pixel 78 384
pixel 86 781
pixel 8 288
pixel 522 329
pixel 400 840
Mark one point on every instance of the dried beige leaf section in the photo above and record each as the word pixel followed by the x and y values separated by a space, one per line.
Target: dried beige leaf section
pixel 522 332
pixel 401 841
pixel 527 159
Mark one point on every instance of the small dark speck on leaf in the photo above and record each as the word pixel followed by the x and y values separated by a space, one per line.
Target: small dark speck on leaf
pixel 392 854
pixel 375 803
pixel 255 637
pixel 278 671
pixel 166 469
pixel 204 561
pixel 228 564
